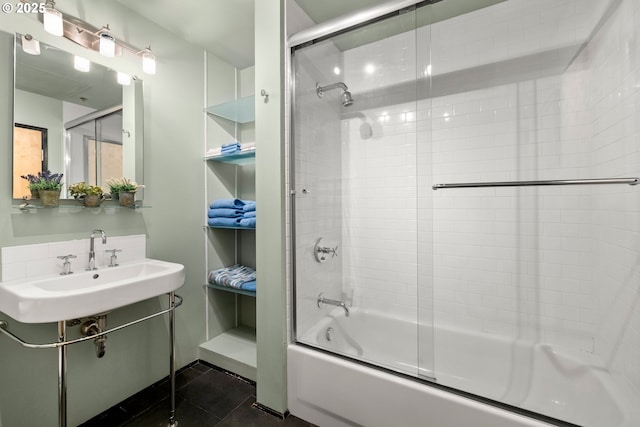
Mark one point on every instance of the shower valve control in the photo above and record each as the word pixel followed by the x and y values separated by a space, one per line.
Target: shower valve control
pixel 321 253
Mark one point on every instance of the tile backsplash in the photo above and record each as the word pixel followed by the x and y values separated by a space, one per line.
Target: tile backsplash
pixel 19 262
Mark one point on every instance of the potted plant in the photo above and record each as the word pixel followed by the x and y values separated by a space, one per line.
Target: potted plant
pixel 123 189
pixel 46 186
pixel 89 195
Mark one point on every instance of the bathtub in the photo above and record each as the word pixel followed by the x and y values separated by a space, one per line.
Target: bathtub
pixel 336 391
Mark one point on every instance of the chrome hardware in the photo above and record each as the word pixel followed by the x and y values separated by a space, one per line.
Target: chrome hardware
pixel 323 300
pixel 328 334
pixel 62 344
pixel 95 326
pixel 265 94
pixel 92 252
pixel 630 181
pixel 113 261
pixel 321 252
pixel 66 266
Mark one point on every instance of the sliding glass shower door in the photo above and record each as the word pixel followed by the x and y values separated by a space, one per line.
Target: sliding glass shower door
pixel 465 202
pixel 357 160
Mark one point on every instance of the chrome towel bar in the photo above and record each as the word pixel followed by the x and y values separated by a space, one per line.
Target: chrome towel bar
pixel 629 181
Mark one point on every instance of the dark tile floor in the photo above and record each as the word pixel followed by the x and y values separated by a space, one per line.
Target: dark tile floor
pixel 205 396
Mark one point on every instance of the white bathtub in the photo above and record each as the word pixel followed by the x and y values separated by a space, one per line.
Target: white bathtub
pixel 331 391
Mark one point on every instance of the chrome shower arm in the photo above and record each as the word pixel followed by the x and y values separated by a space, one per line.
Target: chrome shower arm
pixel 321 89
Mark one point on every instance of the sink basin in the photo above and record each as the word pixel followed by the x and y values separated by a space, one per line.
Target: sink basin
pixel 52 298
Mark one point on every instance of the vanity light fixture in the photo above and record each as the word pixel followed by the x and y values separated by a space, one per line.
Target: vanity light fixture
pixel 148 61
pixel 81 64
pixel 107 43
pixel 124 79
pixel 30 45
pixel 52 19
pixel 90 37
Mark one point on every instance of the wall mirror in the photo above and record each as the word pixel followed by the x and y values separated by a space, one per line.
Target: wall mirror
pixel 83 124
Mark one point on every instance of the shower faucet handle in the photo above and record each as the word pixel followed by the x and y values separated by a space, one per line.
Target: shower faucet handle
pixel 320 252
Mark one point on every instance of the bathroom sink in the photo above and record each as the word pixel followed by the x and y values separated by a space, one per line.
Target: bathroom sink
pixel 53 297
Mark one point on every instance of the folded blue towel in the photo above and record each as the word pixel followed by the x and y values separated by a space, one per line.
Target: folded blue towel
pixel 229 151
pixel 228 203
pixel 234 277
pixel 251 214
pixel 224 222
pixel 224 213
pixel 230 144
pixel 249 286
pixel 248 222
pixel 250 206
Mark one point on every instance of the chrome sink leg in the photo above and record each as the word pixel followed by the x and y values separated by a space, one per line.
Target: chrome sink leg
pixel 62 375
pixel 172 359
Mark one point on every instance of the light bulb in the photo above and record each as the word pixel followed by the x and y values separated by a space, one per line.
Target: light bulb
pixel 81 64
pixel 107 45
pixel 53 20
pixel 124 79
pixel 148 62
pixel 30 45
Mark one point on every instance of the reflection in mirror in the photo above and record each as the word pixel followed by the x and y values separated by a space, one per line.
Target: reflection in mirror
pixel 93 125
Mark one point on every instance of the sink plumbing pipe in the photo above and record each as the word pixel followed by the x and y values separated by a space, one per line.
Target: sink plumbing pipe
pixel 94 326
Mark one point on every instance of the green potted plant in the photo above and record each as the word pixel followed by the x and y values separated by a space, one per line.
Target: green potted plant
pixel 123 189
pixel 89 195
pixel 46 186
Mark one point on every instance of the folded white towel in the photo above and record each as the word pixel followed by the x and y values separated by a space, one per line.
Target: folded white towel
pixel 248 146
pixel 214 152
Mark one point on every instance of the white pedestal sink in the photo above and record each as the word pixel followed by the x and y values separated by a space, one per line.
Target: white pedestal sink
pixel 54 297
pixel 58 298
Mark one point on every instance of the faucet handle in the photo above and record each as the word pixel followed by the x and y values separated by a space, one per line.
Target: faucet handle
pixel 66 266
pixel 113 262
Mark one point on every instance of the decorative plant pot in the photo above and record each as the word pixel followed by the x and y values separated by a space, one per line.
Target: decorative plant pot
pixel 35 193
pixel 127 198
pixel 92 200
pixel 50 198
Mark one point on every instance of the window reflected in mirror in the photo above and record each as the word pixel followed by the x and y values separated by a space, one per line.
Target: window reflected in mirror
pixel 29 156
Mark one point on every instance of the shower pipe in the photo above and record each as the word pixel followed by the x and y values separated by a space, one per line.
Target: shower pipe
pixel 629 181
pixel 62 344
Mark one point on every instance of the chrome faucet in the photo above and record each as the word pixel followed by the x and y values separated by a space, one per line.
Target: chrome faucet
pixel 92 252
pixel 323 300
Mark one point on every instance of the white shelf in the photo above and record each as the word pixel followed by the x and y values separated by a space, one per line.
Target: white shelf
pixel 233 350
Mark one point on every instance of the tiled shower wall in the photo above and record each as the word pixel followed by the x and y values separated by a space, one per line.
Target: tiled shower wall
pixel 556 264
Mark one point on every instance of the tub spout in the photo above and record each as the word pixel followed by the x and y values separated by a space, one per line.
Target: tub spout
pixel 323 300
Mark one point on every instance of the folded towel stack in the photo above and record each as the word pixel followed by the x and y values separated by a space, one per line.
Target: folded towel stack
pixel 231 148
pixel 237 276
pixel 232 213
pixel 248 215
pixel 225 213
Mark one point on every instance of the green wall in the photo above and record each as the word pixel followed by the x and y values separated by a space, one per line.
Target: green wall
pixel 270 193
pixel 174 178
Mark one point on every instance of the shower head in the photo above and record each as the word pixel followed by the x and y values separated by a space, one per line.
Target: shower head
pixel 346 97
